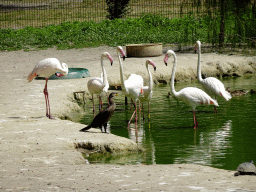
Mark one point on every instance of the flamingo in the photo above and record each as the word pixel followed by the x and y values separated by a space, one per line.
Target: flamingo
pixel 190 95
pixel 147 90
pixel 211 85
pixel 132 87
pixel 98 84
pixel 46 68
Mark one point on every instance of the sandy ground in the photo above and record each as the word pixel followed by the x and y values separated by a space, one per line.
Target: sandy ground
pixel 38 154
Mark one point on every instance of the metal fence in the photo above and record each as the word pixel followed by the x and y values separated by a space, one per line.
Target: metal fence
pixel 239 29
pixel 19 14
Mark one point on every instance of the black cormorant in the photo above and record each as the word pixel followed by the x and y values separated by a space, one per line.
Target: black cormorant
pixel 102 118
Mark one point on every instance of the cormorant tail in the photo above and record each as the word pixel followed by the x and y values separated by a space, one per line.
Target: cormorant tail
pixel 85 129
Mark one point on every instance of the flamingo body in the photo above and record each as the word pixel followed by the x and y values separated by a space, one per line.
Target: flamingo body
pixel 46 68
pixel 148 90
pixel 211 85
pixel 98 84
pixel 194 97
pixel 132 87
pixel 190 95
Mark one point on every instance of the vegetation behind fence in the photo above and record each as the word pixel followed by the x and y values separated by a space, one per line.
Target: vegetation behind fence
pixel 229 21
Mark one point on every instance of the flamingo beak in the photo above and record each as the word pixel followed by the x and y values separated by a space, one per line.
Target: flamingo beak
pixel 110 59
pixel 166 59
pixel 154 68
pixel 59 74
pixel 123 54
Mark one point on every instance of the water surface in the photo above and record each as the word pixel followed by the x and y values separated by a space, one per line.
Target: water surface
pixel 223 140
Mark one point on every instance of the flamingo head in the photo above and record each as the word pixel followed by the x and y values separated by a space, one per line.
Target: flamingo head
pixel 120 49
pixel 149 61
pixel 107 55
pixel 167 55
pixel 198 44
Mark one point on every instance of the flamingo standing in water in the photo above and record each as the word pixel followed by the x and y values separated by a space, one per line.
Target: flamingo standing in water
pixel 98 84
pixel 211 85
pixel 46 68
pixel 148 90
pixel 132 87
pixel 190 95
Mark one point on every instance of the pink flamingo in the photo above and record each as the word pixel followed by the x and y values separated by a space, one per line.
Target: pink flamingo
pixel 132 87
pixel 148 90
pixel 211 85
pixel 46 68
pixel 190 95
pixel 98 84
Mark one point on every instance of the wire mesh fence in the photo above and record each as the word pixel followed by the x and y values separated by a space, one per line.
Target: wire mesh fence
pixel 239 25
pixel 19 14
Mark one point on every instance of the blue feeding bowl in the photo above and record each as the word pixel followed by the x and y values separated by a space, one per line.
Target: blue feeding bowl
pixel 73 73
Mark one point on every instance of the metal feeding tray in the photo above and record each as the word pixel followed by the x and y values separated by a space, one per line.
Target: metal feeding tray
pixel 73 73
pixel 144 50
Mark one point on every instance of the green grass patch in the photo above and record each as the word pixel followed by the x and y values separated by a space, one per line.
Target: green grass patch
pixel 67 35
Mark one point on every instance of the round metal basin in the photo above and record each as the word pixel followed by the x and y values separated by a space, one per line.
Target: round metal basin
pixel 144 50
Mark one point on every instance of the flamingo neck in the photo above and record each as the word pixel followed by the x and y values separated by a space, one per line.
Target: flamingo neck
pixel 104 72
pixel 64 69
pixel 173 76
pixel 199 75
pixel 150 78
pixel 121 72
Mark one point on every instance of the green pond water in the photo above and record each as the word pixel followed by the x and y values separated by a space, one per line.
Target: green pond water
pixel 223 140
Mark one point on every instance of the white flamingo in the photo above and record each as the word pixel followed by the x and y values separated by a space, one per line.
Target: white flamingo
pixel 148 90
pixel 211 85
pixel 98 84
pixel 132 87
pixel 190 95
pixel 46 68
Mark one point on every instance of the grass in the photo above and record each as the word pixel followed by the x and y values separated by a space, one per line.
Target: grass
pixel 67 35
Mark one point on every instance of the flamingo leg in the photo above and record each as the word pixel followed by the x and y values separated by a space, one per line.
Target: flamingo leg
pixel 100 103
pixel 215 109
pixel 148 111
pixel 142 111
pixel 195 121
pixel 93 106
pixel 135 111
pixel 46 95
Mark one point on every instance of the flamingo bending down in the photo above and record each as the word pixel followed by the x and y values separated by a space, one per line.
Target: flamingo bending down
pixel 211 85
pixel 148 90
pixel 132 87
pixel 190 95
pixel 46 68
pixel 98 84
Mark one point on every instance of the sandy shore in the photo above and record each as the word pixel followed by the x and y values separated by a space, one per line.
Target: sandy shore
pixel 38 154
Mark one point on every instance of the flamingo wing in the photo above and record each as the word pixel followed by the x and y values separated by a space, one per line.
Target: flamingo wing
pixel 215 87
pixel 95 85
pixel 194 97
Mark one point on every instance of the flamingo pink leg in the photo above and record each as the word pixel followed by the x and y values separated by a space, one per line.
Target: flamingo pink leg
pixel 135 111
pixel 46 95
pixel 215 109
pixel 195 121
pixel 100 103
pixel 93 106
pixel 148 111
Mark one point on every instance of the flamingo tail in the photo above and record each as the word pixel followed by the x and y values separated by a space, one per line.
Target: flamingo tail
pixel 226 95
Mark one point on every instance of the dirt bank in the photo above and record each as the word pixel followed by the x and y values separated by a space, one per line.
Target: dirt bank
pixel 40 154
